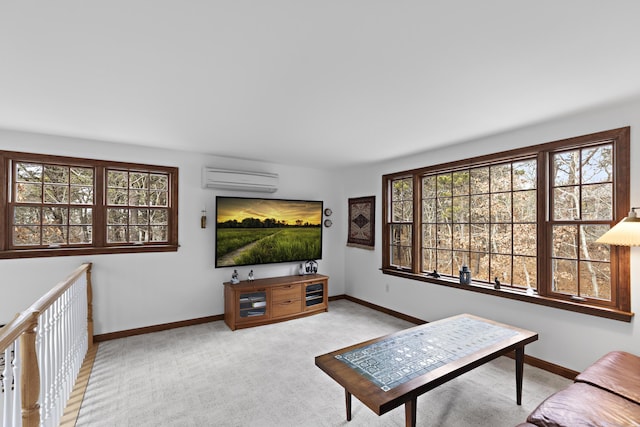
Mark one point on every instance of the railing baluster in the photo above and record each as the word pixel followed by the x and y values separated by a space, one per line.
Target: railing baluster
pixel 16 364
pixel 67 351
pixel 46 363
pixel 57 352
pixel 41 354
pixel 89 307
pixel 10 412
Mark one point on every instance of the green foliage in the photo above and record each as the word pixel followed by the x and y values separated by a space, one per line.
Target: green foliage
pixel 230 239
pixel 272 245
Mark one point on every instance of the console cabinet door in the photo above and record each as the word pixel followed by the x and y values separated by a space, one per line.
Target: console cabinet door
pixel 315 295
pixel 252 306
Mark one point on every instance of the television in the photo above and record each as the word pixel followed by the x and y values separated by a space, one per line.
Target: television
pixel 251 231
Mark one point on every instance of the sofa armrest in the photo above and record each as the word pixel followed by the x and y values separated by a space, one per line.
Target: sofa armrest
pixel 617 372
pixel 585 405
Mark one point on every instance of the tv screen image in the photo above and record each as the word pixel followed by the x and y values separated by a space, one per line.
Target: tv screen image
pixel 252 231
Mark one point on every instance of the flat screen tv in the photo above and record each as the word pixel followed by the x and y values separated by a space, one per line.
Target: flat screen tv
pixel 252 231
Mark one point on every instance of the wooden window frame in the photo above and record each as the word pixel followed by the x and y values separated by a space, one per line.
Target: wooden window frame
pixel 620 306
pixel 99 243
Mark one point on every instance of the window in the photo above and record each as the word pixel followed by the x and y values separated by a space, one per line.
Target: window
pixel 137 206
pixel 69 206
pixel 470 217
pixel 527 219
pixel 581 211
pixel 401 222
pixel 52 205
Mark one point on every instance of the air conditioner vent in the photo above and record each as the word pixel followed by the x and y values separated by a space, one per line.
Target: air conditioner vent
pixel 239 180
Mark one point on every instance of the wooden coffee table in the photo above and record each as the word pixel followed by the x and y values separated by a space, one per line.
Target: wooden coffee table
pixel 395 369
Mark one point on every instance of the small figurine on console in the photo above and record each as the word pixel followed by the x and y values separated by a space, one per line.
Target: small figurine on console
pixel 234 277
pixel 250 276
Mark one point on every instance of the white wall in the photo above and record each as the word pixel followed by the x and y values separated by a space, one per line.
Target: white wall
pixel 137 290
pixel 568 339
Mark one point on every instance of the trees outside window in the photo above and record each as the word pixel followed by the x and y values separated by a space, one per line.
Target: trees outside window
pixel 581 211
pixel 68 206
pixel 137 206
pixel 484 218
pixel 528 218
pixel 401 224
pixel 53 205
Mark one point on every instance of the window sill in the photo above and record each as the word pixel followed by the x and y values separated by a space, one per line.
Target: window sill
pixel 510 293
pixel 48 252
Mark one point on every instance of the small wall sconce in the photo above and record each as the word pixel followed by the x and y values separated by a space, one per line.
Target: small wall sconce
pixel 203 219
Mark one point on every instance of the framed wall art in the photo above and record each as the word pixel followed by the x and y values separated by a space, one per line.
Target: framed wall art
pixel 362 211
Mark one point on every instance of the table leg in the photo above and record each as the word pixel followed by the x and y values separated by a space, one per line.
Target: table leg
pixel 519 372
pixel 410 412
pixel 347 399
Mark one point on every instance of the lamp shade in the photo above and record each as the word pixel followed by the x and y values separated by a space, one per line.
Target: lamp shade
pixel 624 233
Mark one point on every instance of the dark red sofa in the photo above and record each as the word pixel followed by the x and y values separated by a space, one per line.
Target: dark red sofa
pixel 607 393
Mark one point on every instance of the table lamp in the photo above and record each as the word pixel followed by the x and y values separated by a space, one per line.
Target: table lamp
pixel 624 233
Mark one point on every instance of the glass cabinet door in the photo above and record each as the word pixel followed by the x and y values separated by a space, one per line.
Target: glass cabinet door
pixel 314 294
pixel 253 304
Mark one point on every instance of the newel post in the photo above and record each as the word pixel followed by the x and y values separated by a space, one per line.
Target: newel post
pixel 30 374
pixel 89 307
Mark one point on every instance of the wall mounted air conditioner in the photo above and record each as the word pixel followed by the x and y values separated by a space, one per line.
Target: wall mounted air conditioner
pixel 239 180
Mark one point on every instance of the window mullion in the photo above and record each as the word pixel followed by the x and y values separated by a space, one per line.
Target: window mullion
pixel 5 189
pixel 417 225
pixel 543 230
pixel 99 207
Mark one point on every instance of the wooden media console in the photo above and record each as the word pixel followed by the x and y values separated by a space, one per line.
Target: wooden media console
pixel 274 299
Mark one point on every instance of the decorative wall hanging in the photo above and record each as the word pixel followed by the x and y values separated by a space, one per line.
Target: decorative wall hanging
pixel 362 211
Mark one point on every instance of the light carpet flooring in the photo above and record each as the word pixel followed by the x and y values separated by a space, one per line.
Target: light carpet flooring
pixel 207 375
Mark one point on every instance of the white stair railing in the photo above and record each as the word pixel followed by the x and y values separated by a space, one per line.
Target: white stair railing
pixel 62 343
pixel 44 348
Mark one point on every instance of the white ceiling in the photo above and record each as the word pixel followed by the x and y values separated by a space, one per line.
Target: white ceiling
pixel 325 83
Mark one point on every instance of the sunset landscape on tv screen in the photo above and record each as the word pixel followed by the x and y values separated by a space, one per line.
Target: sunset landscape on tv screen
pixel 263 231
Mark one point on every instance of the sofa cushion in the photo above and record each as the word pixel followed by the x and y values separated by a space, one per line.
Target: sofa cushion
pixel 581 405
pixel 617 372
